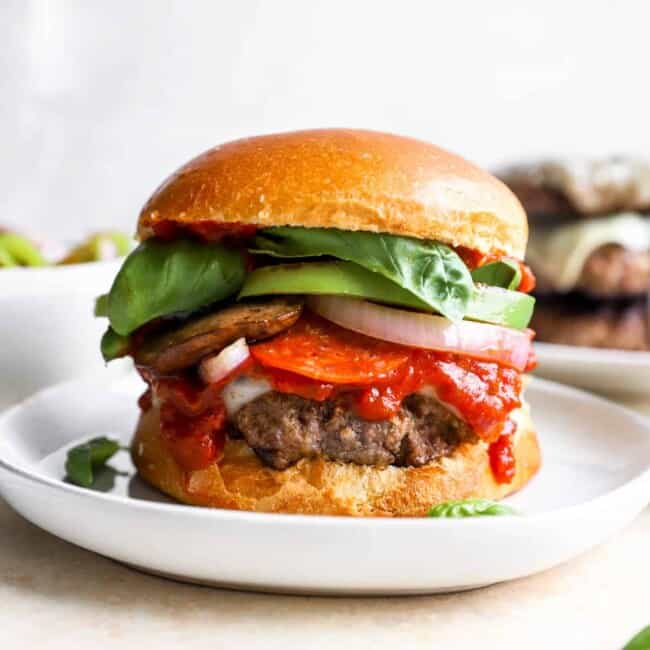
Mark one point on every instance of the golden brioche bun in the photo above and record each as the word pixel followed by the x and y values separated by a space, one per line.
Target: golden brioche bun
pixel 348 179
pixel 321 487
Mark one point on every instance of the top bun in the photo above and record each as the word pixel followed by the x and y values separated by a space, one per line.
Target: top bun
pixel 347 179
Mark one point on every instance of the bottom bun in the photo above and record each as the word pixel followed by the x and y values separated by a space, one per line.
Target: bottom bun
pixel 239 481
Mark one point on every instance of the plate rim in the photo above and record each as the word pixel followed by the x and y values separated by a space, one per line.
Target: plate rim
pixel 562 352
pixel 243 516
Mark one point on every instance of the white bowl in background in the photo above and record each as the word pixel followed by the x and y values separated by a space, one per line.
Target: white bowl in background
pixel 48 332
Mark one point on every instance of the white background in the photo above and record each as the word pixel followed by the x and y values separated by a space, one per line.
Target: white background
pixel 101 100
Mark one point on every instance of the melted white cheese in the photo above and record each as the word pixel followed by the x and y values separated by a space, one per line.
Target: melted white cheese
pixel 430 391
pixel 242 390
pixel 559 254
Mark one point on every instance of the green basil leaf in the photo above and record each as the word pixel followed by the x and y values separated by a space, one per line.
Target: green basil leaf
pixel 640 642
pixel 505 274
pixel 471 508
pixel 101 306
pixel 83 459
pixel 165 277
pixel 431 271
pixel 114 345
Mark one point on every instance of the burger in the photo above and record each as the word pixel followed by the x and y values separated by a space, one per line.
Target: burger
pixel 589 248
pixel 329 322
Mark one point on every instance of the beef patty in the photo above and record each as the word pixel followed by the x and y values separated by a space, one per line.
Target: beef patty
pixel 614 271
pixel 283 428
pixel 575 320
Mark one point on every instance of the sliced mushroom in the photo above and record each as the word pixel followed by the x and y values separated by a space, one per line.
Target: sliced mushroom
pixel 188 344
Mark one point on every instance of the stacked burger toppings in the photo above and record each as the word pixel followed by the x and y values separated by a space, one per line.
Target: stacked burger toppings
pixel 589 248
pixel 310 345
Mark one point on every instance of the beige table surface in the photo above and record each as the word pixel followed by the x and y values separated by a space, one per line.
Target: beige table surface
pixel 55 595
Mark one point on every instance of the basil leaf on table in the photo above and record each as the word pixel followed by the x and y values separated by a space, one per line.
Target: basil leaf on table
pixel 640 641
pixel 471 508
pixel 431 271
pixel 164 277
pixel 505 274
pixel 84 459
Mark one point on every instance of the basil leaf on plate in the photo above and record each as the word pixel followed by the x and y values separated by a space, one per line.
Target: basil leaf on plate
pixel 505 274
pixel 431 271
pixel 164 277
pixel 471 508
pixel 641 641
pixel 83 459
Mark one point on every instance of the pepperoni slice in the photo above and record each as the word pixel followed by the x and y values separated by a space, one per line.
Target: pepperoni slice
pixel 318 349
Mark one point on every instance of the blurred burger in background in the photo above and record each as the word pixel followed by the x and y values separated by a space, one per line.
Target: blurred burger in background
pixel 589 248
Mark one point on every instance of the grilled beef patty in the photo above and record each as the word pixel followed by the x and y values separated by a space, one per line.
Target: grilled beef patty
pixel 283 428
pixel 574 319
pixel 614 272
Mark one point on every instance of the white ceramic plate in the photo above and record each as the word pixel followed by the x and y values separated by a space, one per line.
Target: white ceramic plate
pixel 613 372
pixel 594 480
pixel 48 332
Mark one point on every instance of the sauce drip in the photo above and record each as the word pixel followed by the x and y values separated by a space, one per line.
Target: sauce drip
pixel 192 418
pixel 502 455
pixel 483 394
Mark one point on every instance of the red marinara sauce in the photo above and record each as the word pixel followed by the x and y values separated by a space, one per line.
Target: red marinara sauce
pixel 206 230
pixel 502 455
pixel 483 394
pixel 192 417
pixel 473 259
pixel 528 281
